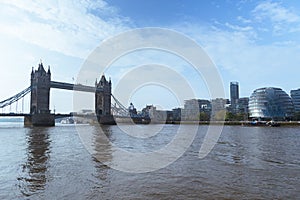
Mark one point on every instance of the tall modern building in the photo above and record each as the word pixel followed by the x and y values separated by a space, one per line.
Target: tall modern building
pixel 270 103
pixel 243 105
pixel 295 94
pixel 234 95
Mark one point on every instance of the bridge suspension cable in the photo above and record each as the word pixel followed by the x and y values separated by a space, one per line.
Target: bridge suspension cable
pixel 119 109
pixel 15 98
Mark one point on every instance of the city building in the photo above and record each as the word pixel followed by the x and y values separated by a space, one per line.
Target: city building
pixel 243 105
pixel 202 105
pixel 295 95
pixel 193 108
pixel 158 115
pixel 234 95
pixel 176 114
pixel 270 103
pixel 219 104
pixel 219 108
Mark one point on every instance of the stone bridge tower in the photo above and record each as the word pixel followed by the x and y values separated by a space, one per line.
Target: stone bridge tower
pixel 39 100
pixel 103 102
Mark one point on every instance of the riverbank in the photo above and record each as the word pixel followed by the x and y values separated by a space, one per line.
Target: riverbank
pixel 235 123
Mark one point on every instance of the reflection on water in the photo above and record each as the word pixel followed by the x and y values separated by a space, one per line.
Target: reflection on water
pixel 52 163
pixel 102 148
pixel 34 170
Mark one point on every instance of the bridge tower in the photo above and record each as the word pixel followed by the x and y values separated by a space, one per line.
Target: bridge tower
pixel 103 102
pixel 39 101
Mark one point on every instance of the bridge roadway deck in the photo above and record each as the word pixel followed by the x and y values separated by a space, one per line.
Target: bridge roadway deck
pixel 76 87
pixel 13 114
pixel 26 114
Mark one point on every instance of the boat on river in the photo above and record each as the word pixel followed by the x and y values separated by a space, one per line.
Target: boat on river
pixel 273 123
pixel 262 123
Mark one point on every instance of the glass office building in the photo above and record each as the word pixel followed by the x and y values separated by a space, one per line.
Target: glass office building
pixel 234 95
pixel 295 94
pixel 270 103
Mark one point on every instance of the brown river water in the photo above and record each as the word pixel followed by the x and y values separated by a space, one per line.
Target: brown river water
pixel 53 163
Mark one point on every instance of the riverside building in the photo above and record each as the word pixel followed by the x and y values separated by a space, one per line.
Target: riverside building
pixel 270 103
pixel 295 95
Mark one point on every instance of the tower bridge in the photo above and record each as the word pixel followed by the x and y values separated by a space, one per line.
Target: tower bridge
pixel 39 89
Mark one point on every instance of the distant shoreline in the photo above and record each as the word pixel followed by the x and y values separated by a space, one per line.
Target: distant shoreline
pixel 225 123
pixel 234 123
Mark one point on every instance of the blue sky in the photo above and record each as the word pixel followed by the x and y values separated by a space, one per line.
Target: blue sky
pixel 253 42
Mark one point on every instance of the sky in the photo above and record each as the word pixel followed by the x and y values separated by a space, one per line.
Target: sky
pixel 256 43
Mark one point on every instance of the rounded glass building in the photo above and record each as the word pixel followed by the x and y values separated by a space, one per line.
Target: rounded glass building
pixel 270 103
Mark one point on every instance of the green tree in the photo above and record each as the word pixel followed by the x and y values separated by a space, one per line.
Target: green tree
pixel 236 116
pixel 230 116
pixel 203 116
pixel 296 116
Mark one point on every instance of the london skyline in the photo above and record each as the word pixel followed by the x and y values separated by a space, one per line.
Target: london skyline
pixel 252 42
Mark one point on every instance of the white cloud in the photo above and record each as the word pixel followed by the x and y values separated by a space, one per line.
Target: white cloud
pixel 69 27
pixel 239 56
pixel 238 28
pixel 280 17
pixel 243 20
pixel 275 12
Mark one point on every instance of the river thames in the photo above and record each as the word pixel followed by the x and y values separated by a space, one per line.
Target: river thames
pixel 246 163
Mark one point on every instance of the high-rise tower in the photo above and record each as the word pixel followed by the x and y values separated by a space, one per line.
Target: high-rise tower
pixel 234 95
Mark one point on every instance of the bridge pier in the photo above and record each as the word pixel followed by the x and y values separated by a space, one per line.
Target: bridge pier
pixel 41 119
pixel 107 120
